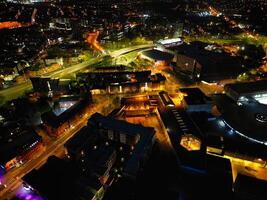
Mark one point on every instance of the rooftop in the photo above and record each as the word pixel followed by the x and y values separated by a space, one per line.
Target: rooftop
pixel 13 144
pixel 246 88
pixel 158 55
pixel 120 125
pixel 214 65
pixel 81 139
pixel 194 96
pixel 55 121
pixel 247 120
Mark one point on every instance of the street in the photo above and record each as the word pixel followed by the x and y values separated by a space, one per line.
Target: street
pixel 19 89
pixel 12 179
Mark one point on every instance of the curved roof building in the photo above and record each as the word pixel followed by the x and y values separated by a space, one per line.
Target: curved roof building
pixel 248 119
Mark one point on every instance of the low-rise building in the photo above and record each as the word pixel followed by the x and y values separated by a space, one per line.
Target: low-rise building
pixel 56 124
pixel 195 100
pixel 122 82
pixel 17 145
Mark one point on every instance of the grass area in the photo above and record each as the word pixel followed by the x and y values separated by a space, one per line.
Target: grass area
pixel 126 42
pixel 235 39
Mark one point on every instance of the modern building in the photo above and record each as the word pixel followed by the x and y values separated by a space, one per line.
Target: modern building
pixel 197 63
pixel 247 119
pixel 241 92
pixel 235 124
pixel 158 55
pixel 170 42
pixel 201 173
pixel 141 139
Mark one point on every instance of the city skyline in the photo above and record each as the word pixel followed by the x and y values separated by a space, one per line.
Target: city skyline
pixel 133 100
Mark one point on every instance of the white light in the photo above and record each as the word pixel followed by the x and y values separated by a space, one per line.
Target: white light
pixel 261 99
pixel 169 41
pixel 245 136
pixel 221 123
pixel 231 132
pixel 239 103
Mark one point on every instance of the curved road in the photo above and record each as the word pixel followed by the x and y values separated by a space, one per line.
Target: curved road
pixel 17 90
pixel 13 178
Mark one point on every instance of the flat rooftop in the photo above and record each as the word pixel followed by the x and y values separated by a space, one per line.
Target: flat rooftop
pixel 256 87
pixel 214 65
pixel 158 55
pixel 194 96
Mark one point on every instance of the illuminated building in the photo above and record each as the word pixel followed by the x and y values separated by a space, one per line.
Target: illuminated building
pixel 239 124
pixel 122 82
pixel 244 111
pixel 190 142
pixel 242 92
pixel 90 157
pixel 56 125
pixel 77 144
pixel 197 63
pixel 17 145
pixel 49 87
pixel 201 173
pixel 166 100
pixel 144 104
pixel 170 42
pixel 141 138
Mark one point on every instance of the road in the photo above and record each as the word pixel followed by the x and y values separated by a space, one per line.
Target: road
pixel 13 178
pixel 19 89
pixel 249 168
